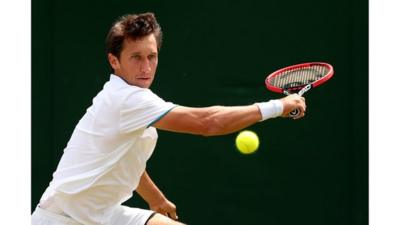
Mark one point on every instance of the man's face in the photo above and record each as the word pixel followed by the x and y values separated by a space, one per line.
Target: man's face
pixel 138 61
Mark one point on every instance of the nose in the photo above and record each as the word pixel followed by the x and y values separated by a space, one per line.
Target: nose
pixel 145 66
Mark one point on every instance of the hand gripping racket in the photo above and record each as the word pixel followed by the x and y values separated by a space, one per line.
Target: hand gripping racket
pixel 299 78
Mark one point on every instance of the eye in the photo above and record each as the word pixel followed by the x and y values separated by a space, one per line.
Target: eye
pixel 152 56
pixel 136 57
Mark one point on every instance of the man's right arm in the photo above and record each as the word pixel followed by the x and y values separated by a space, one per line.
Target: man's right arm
pixel 220 120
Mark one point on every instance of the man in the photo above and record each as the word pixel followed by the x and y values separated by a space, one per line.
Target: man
pixel 105 159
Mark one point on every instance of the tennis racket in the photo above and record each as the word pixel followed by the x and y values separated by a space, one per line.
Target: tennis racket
pixel 299 79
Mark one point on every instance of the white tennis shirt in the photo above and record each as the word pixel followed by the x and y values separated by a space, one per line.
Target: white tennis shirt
pixel 107 153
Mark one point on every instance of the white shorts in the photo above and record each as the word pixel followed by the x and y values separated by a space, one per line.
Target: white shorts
pixel 122 215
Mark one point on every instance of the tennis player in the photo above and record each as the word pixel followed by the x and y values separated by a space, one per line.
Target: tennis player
pixel 105 159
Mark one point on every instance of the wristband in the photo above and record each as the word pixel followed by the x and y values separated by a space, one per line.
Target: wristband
pixel 270 109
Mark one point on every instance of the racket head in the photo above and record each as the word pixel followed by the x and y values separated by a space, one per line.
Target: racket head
pixel 293 78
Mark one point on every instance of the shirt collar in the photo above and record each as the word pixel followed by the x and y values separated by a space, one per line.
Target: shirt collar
pixel 115 78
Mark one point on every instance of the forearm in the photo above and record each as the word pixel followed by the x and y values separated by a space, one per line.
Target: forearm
pixel 224 120
pixel 155 198
pixel 149 191
pixel 209 121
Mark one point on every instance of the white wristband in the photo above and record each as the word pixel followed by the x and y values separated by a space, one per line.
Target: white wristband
pixel 270 109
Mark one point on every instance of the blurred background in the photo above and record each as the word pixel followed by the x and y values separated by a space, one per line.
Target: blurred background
pixel 312 171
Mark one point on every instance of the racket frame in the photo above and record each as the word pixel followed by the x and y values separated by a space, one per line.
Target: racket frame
pixel 301 88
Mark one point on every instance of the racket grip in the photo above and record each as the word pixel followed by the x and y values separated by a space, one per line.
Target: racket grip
pixel 294 113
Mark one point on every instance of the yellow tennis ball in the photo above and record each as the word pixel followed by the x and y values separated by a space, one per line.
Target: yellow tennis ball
pixel 247 142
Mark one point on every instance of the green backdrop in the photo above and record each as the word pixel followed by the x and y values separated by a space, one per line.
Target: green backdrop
pixel 312 171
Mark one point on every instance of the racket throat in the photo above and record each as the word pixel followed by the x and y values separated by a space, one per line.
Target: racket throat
pixel 305 89
pixel 300 92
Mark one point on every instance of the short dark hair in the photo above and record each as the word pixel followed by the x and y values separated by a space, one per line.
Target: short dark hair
pixel 134 26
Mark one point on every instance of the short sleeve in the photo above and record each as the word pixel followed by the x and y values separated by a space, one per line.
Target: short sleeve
pixel 141 109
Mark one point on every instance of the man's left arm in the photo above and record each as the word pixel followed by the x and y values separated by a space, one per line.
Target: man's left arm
pixel 148 190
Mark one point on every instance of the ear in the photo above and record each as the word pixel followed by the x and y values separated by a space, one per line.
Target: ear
pixel 113 60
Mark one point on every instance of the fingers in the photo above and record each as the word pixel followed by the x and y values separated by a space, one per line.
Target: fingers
pixel 173 215
pixel 168 210
pixel 171 211
pixel 301 108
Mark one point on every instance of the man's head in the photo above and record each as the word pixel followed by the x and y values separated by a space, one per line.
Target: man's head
pixel 132 48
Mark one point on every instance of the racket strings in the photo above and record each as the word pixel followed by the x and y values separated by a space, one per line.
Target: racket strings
pixel 299 76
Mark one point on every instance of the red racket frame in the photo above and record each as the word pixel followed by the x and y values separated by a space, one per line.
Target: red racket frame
pixel 313 84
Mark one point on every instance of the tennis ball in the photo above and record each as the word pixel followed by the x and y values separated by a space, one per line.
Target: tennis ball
pixel 247 142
